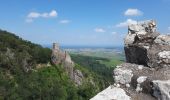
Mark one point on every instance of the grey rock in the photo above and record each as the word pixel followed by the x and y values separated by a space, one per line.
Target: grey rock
pixel 130 39
pixel 146 75
pixel 140 67
pixel 140 80
pixel 136 54
pixel 161 89
pixel 122 76
pixel 164 57
pixel 142 43
pixel 141 87
pixel 112 93
pixel 163 40
pixel 127 85
pixel 142 31
pixel 78 77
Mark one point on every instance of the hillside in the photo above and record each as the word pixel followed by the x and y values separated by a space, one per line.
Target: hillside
pixel 26 73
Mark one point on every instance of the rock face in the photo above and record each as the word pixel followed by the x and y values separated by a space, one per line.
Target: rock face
pixel 142 43
pixel 161 89
pixel 122 76
pixel 146 73
pixel 78 77
pixel 142 83
pixel 148 58
pixel 60 57
pixel 111 93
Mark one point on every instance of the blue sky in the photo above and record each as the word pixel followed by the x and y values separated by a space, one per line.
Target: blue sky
pixel 80 22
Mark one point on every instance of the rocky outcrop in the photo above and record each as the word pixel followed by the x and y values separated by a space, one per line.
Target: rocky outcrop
pixel 78 77
pixel 112 93
pixel 142 83
pixel 146 73
pixel 142 43
pixel 60 57
pixel 122 76
pixel 161 89
pixel 148 57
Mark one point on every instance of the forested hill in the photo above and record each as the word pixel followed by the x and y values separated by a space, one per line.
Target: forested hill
pixel 27 74
pixel 24 49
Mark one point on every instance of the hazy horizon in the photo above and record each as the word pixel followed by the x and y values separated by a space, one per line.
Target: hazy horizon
pixel 83 46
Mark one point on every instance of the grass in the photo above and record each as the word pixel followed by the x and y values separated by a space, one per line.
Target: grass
pixel 114 58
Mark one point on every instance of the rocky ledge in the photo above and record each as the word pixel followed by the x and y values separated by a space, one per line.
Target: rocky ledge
pixel 146 73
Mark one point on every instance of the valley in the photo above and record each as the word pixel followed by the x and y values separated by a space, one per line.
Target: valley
pixel 110 56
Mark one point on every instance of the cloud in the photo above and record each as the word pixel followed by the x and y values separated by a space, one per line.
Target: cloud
pixel 53 13
pixel 126 23
pixel 34 15
pixel 99 30
pixel 133 12
pixel 64 21
pixel 114 33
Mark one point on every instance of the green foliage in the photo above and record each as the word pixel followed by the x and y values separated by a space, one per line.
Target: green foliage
pixel 45 84
pixel 102 73
pixel 20 80
pixel 86 91
pixel 49 83
pixel 18 46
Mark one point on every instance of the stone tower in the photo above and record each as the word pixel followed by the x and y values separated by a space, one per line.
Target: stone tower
pixel 62 57
pixel 56 46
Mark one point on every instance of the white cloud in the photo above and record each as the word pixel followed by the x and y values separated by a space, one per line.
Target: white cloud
pixel 99 30
pixel 65 21
pixel 126 23
pixel 33 15
pixel 114 33
pixel 53 13
pixel 133 12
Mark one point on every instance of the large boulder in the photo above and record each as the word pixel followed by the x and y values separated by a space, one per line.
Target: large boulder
pixel 161 89
pixel 142 43
pixel 144 31
pixel 163 40
pixel 112 93
pixel 122 76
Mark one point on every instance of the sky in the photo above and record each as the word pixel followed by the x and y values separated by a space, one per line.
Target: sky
pixel 80 22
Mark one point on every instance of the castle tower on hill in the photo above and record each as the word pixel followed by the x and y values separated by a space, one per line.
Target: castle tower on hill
pixel 59 56
pixel 56 46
